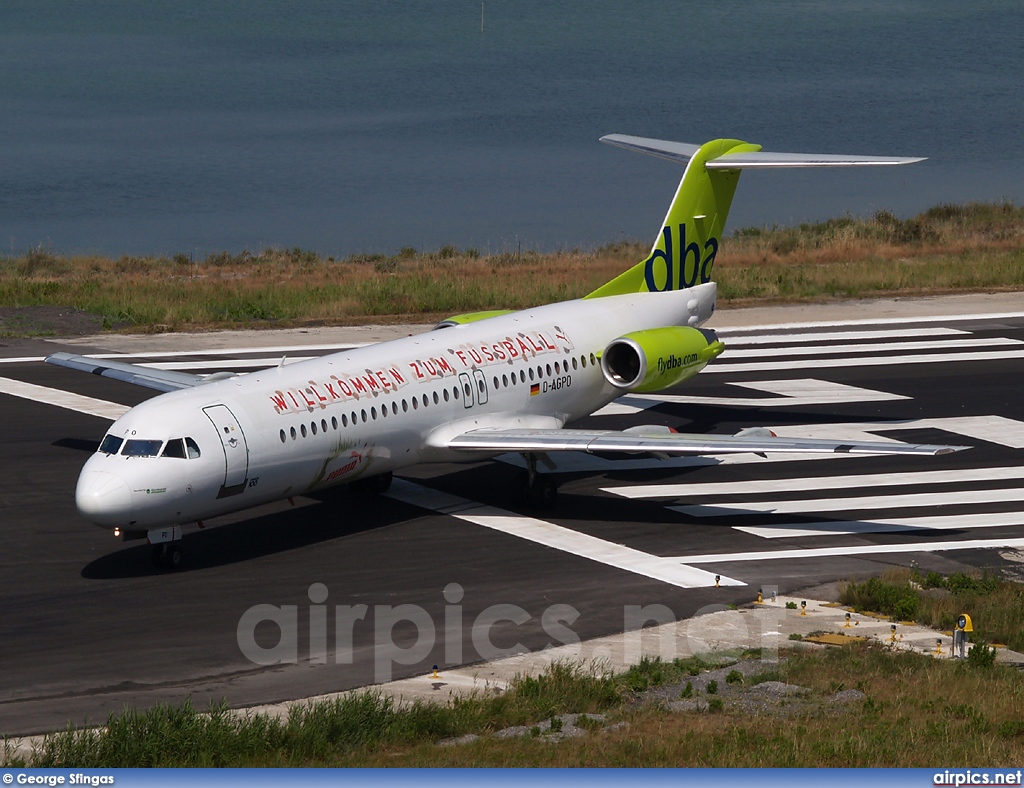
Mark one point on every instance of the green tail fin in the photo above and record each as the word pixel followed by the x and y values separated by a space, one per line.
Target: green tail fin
pixel 685 250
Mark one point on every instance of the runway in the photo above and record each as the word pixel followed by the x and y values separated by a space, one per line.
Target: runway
pixel 87 626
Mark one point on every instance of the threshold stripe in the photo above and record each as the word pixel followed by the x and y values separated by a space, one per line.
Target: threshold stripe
pixel 63 399
pixel 830 336
pixel 886 347
pixel 928 499
pixel 867 361
pixel 817 483
pixel 871 549
pixel 555 536
pixel 885 525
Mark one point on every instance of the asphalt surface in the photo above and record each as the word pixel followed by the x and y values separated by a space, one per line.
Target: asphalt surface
pixel 87 626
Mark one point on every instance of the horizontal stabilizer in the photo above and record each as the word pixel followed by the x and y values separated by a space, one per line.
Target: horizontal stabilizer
pixel 542 440
pixel 683 152
pixel 663 149
pixel 158 379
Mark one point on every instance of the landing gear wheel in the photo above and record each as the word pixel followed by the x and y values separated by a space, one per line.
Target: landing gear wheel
pixel 167 556
pixel 372 485
pixel 540 492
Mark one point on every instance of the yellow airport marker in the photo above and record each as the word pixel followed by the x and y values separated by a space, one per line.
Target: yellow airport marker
pixel 435 674
pixel 718 579
pixel 892 637
pixel 760 598
pixel 803 608
pixel 847 624
pixel 938 646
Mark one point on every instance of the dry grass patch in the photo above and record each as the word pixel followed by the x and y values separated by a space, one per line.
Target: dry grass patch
pixel 945 249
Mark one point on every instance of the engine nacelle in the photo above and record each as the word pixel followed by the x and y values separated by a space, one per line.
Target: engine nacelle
pixel 658 358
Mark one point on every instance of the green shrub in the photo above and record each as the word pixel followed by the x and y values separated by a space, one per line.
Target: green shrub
pixel 712 688
pixel 981 655
pixel 687 690
pixel 715 705
pixel 734 677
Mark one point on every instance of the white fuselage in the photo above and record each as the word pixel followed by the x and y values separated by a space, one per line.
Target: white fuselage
pixel 300 427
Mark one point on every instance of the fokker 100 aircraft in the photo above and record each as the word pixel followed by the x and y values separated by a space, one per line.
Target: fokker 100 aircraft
pixel 482 385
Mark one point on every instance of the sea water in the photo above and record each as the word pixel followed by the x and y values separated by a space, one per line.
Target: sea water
pixel 369 125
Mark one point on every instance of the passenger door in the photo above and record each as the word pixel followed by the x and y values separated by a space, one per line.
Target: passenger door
pixel 236 451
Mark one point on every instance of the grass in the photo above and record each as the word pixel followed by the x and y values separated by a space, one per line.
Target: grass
pixel 949 248
pixel 917 712
pixel 996 607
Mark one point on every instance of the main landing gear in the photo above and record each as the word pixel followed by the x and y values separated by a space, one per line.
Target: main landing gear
pixel 538 490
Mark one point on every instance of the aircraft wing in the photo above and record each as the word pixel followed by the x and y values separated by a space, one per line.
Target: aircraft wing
pixel 547 440
pixel 159 379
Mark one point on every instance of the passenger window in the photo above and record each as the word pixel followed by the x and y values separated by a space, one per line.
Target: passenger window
pixel 176 447
pixel 312 427
pixel 323 424
pixel 394 408
pixel 141 448
pixel 334 422
pixel 436 399
pixel 302 430
pixel 445 395
pixel 455 392
pixel 192 449
pixel 111 444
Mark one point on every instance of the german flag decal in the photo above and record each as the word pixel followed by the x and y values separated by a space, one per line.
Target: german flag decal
pixel 534 389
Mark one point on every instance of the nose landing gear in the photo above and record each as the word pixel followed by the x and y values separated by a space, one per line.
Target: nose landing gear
pixel 166 548
pixel 167 556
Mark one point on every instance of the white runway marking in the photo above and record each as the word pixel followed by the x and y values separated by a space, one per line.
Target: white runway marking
pixel 929 499
pixel 954 522
pixel 63 399
pixel 555 536
pixel 822 336
pixel 213 352
pixel 817 483
pixel 881 347
pixel 872 322
pixel 993 429
pixel 871 549
pixel 864 361
pixel 789 393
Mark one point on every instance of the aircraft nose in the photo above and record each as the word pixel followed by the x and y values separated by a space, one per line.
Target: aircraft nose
pixel 103 498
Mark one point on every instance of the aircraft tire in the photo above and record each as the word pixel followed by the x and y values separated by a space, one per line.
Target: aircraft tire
pixel 167 556
pixel 542 494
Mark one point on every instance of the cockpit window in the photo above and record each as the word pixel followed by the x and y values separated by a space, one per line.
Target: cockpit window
pixel 174 448
pixel 110 444
pixel 141 448
pixel 193 449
